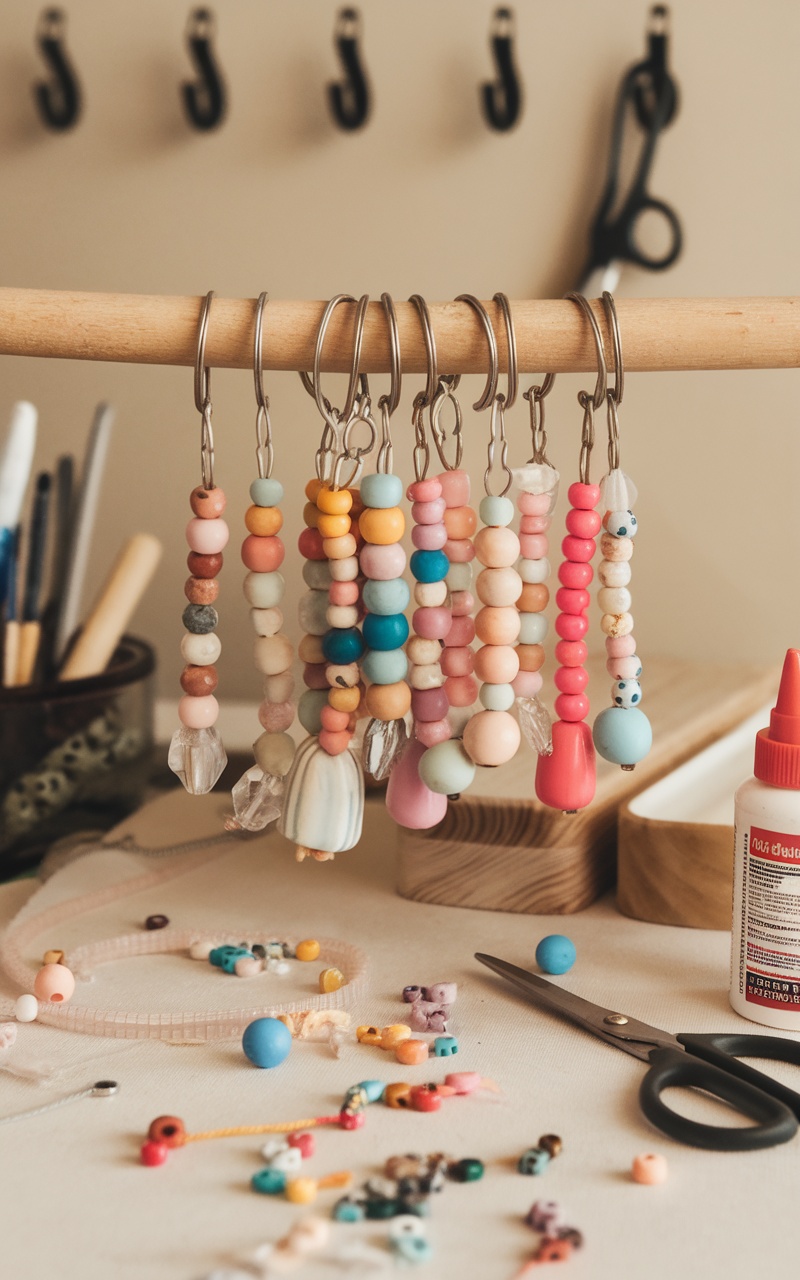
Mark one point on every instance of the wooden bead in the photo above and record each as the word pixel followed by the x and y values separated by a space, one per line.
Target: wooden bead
pixel 616 624
pixel 314 676
pixel 200 650
pixel 491 738
pixel 462 691
pixel 432 732
pixel 207 537
pixel 460 522
pixel 531 656
pixel 498 587
pixel 333 720
pixel 345 699
pixel 262 555
pixel 313 488
pixel 342 616
pixel 263 521
pixel 309 544
pixel 422 652
pixel 614 599
pixel 198 713
pixel 339 548
pixel 429 595
pixel 497 548
pixel 280 687
pixel 614 573
pixel 345 570
pixel 457 661
pixel 267 622
pixel 333 526
pixel 575 576
pixel 427 677
pixel 334 502
pixel 310 649
pixel 275 717
pixel 388 701
pixel 533 598
pixel 497 626
pixel 201 566
pixel 310 515
pixel 208 504
pixel 199 680
pixel 382 526
pixel 201 590
pixel 335 743
pixel 497 663
pixel 273 654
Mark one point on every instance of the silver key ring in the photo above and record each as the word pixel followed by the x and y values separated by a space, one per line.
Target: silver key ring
pixel 202 396
pixel 264 450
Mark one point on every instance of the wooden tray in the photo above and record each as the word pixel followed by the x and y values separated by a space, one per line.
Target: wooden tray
pixel 499 849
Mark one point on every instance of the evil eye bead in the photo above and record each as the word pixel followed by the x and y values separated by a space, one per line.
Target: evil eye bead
pixel 621 524
pixel 626 693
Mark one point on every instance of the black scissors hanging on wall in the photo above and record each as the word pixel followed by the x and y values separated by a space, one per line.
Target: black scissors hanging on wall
pixel 648 101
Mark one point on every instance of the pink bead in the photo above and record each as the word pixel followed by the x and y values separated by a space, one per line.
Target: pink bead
pixel 275 717
pixel 429 732
pixel 571 653
pixel 533 546
pixel 433 623
pixel 575 575
pixel 314 675
pixel 198 713
pixel 207 503
pixel 535 524
pixel 305 1142
pixel 491 738
pixel 534 504
pixel 624 668
pixel 261 555
pixel 429 704
pixel 571 626
pixel 428 512
pixel 461 690
pixel 527 684
pixel 497 663
pixel 382 563
pixel 408 800
pixel 572 706
pixel 334 743
pixel 583 496
pixel 332 719
pixel 461 603
pixel 571 679
pixel 620 646
pixel 455 487
pixel 54 984
pixel 429 537
pixel 207 537
pixel 424 490
pixel 461 631
pixel 570 600
pixel 566 779
pixel 457 662
pixel 459 550
pixel 584 524
pixel 343 593
pixel 650 1169
pixel 577 549
pixel 497 548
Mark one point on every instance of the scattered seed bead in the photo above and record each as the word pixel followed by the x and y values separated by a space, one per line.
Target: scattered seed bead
pixel 331 979
pixel 650 1169
pixel 156 922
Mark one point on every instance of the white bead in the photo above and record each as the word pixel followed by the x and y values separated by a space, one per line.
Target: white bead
pixel 615 549
pixel 423 652
pixel 273 654
pixel 273 753
pixel 628 668
pixel 26 1008
pixel 263 590
pixel 342 616
pixel 534 570
pixel 342 677
pixel 201 950
pixel 288 1161
pixel 612 573
pixel 614 599
pixel 626 693
pixel 273 1147
pixel 345 570
pixel 616 624
pixel 459 577
pixel 317 574
pixel 621 524
pixel 200 651
pixel 533 628
pixel 405 1225
pixel 279 688
pixel 429 595
pixel 498 587
pixel 309 1234
pixel 267 622
pixel 428 677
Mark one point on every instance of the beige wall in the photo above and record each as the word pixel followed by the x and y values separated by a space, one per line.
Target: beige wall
pixel 425 199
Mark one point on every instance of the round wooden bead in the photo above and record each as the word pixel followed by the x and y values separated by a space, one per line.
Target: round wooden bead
pixel 203 566
pixel 382 490
pixel 620 646
pixel 198 713
pixel 497 697
pixel 335 743
pixel 273 654
pixel 309 544
pixel 386 597
pixel 535 524
pixel 534 571
pixel 388 631
pixel 571 653
pixel 491 738
pixel 275 717
pixel 583 496
pixel 447 768
pixel 263 521
pixel 343 593
pixel 345 570
pixel 263 590
pixel 530 656
pixel 579 549
pixel 345 699
pixel 572 706
pixel 614 573
pixel 207 537
pixel 459 550
pixel 333 720
pixel 428 512
pixel 382 563
pixel 343 647
pixel 460 522
pixel 266 622
pixel 427 677
pixel 199 680
pixel 207 504
pixel 388 701
pixel 200 618
pixel 339 548
pixel 497 626
pixel 616 624
pixel 575 576
pixel 461 603
pixel 614 599
pixel 584 524
pixel 279 687
pixel 314 675
pixel 310 649
pixel 266 492
pixel 615 549
pixel 200 650
pixel 262 555
pixel 431 732
pixel 421 651
pixel 342 615
pixel 629 668
pixel 429 566
pixel 201 590
pixel 571 626
pixel 311 515
pixel 498 587
pixel 497 664
pixel 429 537
pixel 313 487
pixel 54 984
pixel 571 679
pixel 429 704
pixel 333 526
pixel 497 548
pixel 460 632
pixel 334 502
pixel 533 598
pixel 432 624
pixel 342 675
pixel 496 510
pixel 385 666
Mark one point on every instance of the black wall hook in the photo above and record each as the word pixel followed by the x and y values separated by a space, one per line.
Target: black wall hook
pixel 59 98
pixel 349 99
pixel 204 99
pixel 502 98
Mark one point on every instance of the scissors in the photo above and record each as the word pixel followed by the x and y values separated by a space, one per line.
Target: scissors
pixel 708 1062
pixel 652 93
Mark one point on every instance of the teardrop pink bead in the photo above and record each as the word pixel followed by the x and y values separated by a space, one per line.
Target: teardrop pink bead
pixel 408 800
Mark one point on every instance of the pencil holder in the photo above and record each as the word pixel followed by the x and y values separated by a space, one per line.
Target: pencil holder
pixel 75 755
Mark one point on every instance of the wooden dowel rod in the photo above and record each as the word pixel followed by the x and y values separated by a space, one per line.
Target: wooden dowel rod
pixel 657 333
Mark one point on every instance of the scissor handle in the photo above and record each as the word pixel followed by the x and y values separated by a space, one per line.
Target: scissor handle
pixel 626 232
pixel 723 1078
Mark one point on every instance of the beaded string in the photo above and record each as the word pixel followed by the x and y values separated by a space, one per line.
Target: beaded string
pixel 196 754
pixel 258 794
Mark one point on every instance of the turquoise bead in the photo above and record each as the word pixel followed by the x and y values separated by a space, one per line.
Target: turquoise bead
pixel 385 632
pixel 556 953
pixel 429 566
pixel 496 510
pixel 446 768
pixel 269 1182
pixel 389 596
pixel 374 1089
pixel 533 1162
pixel 309 708
pixel 385 666
pixel 497 697
pixel 225 957
pixel 344 645
pixel 382 491
pixel 445 1046
pixel 532 628
pixel 347 1210
pixel 622 735
pixel 266 1042
pixel 266 493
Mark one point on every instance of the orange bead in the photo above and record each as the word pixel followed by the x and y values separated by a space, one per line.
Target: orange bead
pixel 531 656
pixel 310 515
pixel 411 1052
pixel 534 597
pixel 388 701
pixel 397 1095
pixel 333 720
pixel 334 743
pixel 334 502
pixel 333 526
pixel 263 521
pixel 498 626
pixel 393 1035
pixel 312 489
pixel 382 526
pixel 262 555
pixel 167 1129
pixel 497 663
pixel 460 522
pixel 345 699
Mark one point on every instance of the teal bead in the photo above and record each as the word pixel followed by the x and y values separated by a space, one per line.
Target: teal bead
pixel 445 1046
pixel 269 1182
pixel 225 957
pixel 343 645
pixel 317 574
pixel 388 632
pixel 382 491
pixel 533 1162
pixel 309 708
pixel 446 768
pixel 496 510
pixel 429 566
pixel 385 666
pixel 266 493
pixel 347 1210
pixel 470 1169
pixel 381 1209
pixel 374 1089
pixel 389 596
pixel 622 735
pixel 497 697
pixel 532 628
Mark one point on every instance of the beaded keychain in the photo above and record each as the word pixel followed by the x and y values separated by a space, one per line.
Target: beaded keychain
pixel 196 754
pixel 258 794
pixel 621 732
pixel 565 779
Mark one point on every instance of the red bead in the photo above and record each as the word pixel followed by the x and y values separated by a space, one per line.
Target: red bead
pixel 201 566
pixel 426 1097
pixel 310 545
pixel 571 653
pixel 351 1119
pixel 580 549
pixel 572 626
pixel 570 600
pixel 169 1130
pixel 571 679
pixel 584 524
pixel 305 1143
pixel 572 706
pixel 566 779
pixel 583 496
pixel 153 1153
pixel 574 575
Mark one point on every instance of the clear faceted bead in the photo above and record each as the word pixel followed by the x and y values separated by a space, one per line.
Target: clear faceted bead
pixel 535 723
pixel 383 742
pixel 197 757
pixel 257 798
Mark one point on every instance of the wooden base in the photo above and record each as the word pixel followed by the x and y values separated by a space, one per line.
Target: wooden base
pixel 499 849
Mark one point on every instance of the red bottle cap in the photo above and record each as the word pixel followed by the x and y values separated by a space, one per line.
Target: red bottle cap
pixel 777 759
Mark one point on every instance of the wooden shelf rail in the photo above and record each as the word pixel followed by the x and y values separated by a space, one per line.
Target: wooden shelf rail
pixel 657 333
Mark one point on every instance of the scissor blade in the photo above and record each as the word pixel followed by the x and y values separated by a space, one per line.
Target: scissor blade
pixel 630 1035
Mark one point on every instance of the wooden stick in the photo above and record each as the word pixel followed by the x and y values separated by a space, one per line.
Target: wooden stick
pixel 657 333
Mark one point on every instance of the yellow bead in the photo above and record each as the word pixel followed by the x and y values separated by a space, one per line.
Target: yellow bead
pixel 301 1190
pixel 310 650
pixel 263 521
pixel 331 980
pixel 333 526
pixel 310 515
pixel 345 699
pixel 389 701
pixel 368 1035
pixel 334 502
pixel 382 525
pixel 392 1036
pixel 397 1095
pixel 312 489
pixel 308 949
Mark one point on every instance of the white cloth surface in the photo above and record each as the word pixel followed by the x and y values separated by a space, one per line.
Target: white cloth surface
pixel 76 1202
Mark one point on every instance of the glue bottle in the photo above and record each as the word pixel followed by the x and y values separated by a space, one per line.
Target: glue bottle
pixel 765 937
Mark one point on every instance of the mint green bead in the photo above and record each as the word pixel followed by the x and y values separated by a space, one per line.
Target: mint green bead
pixel 309 708
pixel 446 768
pixel 496 510
pixel 459 576
pixel 266 493
pixel 385 666
pixel 622 735
pixel 497 697
pixel 533 628
pixel 382 491
pixel 386 596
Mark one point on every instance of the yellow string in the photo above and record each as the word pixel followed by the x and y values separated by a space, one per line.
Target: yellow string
pixel 246 1130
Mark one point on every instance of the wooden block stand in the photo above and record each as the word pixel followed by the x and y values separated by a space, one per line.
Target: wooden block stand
pixel 499 849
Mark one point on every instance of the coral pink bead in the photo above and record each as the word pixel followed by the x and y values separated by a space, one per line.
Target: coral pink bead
pixel 343 593
pixel 570 600
pixel 497 548
pixel 54 984
pixel 432 624
pixel 460 522
pixel 571 679
pixel 275 717
pixel 620 646
pixel 457 662
pixel 428 512
pixel 459 550
pixel 314 675
pixel 198 713
pixel 429 732
pixel 429 704
pixel 571 653
pixel 491 738
pixel 579 549
pixel 208 504
pixel 584 524
pixel 460 632
pixel 455 487
pixel 429 537
pixel 408 800
pixel 496 663
pixel 461 603
pixel 262 555
pixel 572 706
pixel 497 626
pixel 461 690
pixel 535 524
pixel 583 496
pixel 534 504
pixel 310 545
pixel 333 720
pixel 334 743
pixel 153 1154
pixel 527 684
pixel 424 490
pixel 571 626
pixel 650 1169
pixel 207 537
pixel 383 563
pixel 534 546
pixel 574 575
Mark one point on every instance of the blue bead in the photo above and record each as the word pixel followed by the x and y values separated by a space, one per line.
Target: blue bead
pixel 266 493
pixel 385 666
pixel 347 1210
pixel 382 491
pixel 385 632
pixel 496 510
pixel 342 645
pixel 266 1042
pixel 445 1046
pixel 374 1089
pixel 269 1182
pixel 533 1161
pixel 390 596
pixel 622 735
pixel 225 957
pixel 309 707
pixel 555 953
pixel 429 566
